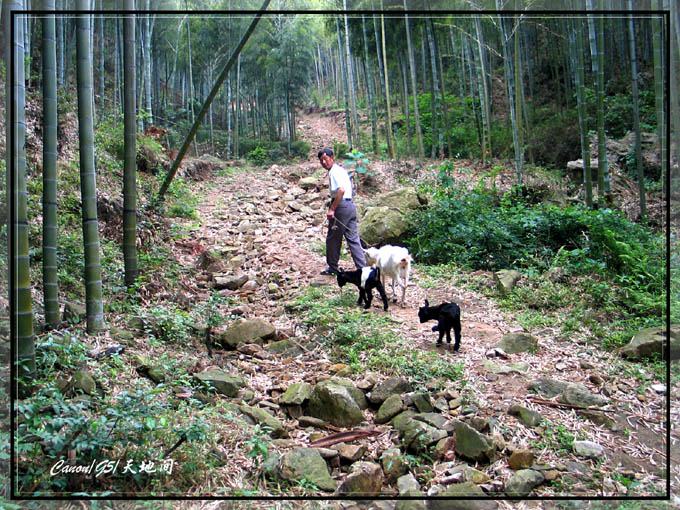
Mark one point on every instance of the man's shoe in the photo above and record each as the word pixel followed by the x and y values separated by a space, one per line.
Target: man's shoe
pixel 328 271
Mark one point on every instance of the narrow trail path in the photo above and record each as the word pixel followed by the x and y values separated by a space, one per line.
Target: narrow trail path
pixel 276 231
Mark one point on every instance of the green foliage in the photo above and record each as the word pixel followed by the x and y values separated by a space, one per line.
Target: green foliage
pixel 300 149
pixel 258 156
pixel 478 229
pixel 109 137
pixel 258 444
pixel 370 341
pixel 49 426
pixel 356 163
pixel 168 323
pixel 340 148
pixel 618 112
pixel 554 137
pixel 464 139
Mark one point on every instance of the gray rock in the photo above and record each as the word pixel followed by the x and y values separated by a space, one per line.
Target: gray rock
pixel 335 404
pixel 237 261
pixel 578 395
pixel 548 387
pixel 247 332
pixel 285 348
pixel 223 382
pixel 263 417
pixel 365 479
pixel 402 199
pixel 351 452
pixel 422 402
pixel 306 464
pixel 393 464
pixel 307 183
pixel 650 342
pixel 310 421
pixel 74 312
pixel 513 343
pixel 121 335
pixel 441 405
pixel 461 490
pixel 407 483
pixel 473 445
pixel 394 385
pixel 518 367
pixel 588 449
pixel 521 459
pixel 229 282
pixel 84 382
pixel 411 504
pixel 420 436
pixel 389 409
pixel 526 416
pixel 506 279
pixel 436 420
pixel 523 482
pixel 296 394
pixel 417 435
pixel 155 373
pixel 475 476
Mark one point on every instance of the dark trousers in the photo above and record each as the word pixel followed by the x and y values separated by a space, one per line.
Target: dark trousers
pixel 346 225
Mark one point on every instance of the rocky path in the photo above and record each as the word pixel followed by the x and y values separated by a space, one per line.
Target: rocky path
pixel 272 230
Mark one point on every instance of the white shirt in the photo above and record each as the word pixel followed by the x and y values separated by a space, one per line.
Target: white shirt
pixel 339 178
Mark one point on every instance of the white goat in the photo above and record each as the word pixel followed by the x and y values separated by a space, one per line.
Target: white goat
pixel 393 261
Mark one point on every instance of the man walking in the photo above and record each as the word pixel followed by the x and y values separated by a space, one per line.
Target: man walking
pixel 342 215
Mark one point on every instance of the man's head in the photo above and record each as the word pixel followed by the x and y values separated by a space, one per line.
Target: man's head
pixel 326 158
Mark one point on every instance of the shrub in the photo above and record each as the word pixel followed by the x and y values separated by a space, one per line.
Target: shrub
pixel 258 156
pixel 478 229
pixel 300 149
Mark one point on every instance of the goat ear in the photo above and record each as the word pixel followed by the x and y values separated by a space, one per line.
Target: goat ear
pixel 426 303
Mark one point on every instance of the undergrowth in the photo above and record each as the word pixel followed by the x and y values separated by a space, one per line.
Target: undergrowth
pixel 593 272
pixel 363 339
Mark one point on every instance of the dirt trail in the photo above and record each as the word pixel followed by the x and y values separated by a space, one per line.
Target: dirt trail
pixel 279 229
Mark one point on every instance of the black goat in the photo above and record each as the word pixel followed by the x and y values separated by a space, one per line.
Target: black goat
pixel 367 279
pixel 447 316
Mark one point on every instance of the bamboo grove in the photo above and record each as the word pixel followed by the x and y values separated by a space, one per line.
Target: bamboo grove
pixel 481 79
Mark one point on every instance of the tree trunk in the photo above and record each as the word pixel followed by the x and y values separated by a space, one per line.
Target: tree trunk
pixel 412 69
pixel 436 79
pixel 60 46
pixel 598 73
pixel 658 44
pixel 148 32
pixel 88 184
pixel 484 92
pixel 370 85
pixel 21 325
pixel 407 114
pixel 510 88
pixel 350 80
pixel 674 9
pixel 208 102
pixel 130 150
pixel 636 112
pixel 390 138
pixel 345 88
pixel 576 39
pixel 101 60
pixel 378 49
pixel 49 61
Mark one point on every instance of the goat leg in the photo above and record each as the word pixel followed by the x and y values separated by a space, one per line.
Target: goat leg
pixel 383 295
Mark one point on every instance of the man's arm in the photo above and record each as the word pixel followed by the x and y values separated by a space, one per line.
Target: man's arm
pixel 339 193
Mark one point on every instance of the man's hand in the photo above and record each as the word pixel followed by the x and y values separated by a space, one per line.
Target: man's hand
pixel 330 214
